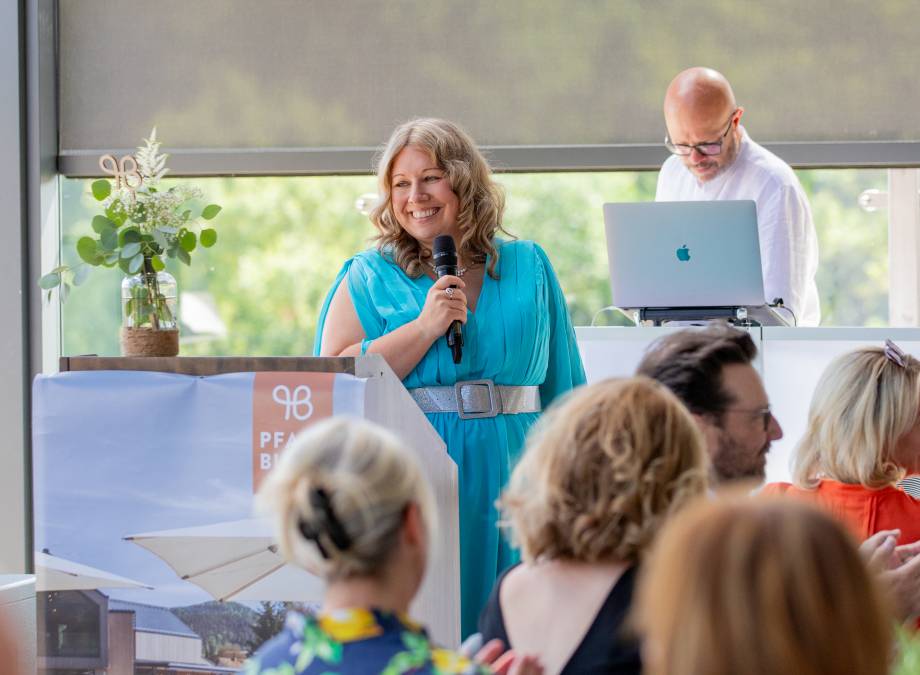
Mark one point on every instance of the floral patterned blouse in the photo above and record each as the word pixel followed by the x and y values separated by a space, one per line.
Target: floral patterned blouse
pixel 355 641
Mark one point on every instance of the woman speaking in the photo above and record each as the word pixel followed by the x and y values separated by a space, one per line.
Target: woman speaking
pixel 519 350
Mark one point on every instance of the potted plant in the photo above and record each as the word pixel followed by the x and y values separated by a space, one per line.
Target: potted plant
pixel 140 225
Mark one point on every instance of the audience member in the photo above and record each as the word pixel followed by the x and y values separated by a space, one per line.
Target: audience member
pixel 11 659
pixel 711 372
pixel 760 587
pixel 351 504
pixel 599 475
pixel 863 433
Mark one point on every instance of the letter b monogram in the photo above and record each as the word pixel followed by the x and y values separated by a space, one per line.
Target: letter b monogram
pixel 296 403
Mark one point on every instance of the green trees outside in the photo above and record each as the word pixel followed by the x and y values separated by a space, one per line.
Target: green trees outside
pixel 283 240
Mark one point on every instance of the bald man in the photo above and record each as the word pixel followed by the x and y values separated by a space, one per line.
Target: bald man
pixel 714 159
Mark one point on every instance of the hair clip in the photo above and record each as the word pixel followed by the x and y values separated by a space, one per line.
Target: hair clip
pixel 328 523
pixel 894 354
pixel 311 533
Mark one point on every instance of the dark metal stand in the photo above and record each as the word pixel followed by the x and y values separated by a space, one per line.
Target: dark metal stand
pixel 738 316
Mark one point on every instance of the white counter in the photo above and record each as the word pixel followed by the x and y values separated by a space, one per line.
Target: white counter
pixel 789 359
pixel 17 607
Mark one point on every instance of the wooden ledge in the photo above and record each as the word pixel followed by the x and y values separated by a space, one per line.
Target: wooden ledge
pixel 211 365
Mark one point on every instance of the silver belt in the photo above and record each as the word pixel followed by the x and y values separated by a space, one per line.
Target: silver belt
pixel 472 399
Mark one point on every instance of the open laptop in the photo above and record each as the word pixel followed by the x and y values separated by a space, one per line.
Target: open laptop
pixel 684 254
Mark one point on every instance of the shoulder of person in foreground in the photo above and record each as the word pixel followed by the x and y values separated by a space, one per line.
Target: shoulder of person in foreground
pixel 277 651
pixel 779 488
pixel 321 641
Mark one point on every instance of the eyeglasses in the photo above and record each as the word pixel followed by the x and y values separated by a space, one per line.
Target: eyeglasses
pixel 709 148
pixel 764 413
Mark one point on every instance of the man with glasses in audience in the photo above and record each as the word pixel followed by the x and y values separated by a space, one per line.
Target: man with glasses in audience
pixel 714 159
pixel 710 370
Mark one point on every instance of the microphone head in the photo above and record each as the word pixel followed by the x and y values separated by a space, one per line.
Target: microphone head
pixel 444 251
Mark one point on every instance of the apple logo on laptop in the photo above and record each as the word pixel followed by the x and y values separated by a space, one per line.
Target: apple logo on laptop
pixel 683 253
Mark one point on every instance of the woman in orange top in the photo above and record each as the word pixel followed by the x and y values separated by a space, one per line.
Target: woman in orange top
pixel 863 435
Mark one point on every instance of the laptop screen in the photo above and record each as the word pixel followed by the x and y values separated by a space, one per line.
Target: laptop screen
pixel 684 254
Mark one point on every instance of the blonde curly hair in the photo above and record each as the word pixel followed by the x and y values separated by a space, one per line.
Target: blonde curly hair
pixel 602 471
pixel 481 200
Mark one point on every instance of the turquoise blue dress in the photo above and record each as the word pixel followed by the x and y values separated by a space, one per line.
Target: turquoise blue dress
pixel 520 334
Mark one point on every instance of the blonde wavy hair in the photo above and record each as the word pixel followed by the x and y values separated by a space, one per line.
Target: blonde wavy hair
pixel 762 587
pixel 863 403
pixel 602 470
pixel 481 201
pixel 369 477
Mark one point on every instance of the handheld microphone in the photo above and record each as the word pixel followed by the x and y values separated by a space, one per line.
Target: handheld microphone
pixel 444 256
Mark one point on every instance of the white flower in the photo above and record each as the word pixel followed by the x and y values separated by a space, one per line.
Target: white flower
pixel 150 164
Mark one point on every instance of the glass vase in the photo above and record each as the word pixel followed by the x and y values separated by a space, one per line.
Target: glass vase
pixel 149 315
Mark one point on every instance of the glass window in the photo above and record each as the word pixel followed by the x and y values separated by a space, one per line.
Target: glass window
pixel 283 239
pixel 72 625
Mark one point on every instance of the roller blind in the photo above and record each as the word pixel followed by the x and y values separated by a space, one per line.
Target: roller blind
pixel 219 74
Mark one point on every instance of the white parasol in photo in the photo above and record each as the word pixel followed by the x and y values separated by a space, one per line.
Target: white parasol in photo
pixel 58 574
pixel 236 560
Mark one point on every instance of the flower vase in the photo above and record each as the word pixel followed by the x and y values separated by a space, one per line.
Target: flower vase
pixel 149 321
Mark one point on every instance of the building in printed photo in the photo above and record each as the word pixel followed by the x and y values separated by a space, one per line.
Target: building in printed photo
pixel 88 633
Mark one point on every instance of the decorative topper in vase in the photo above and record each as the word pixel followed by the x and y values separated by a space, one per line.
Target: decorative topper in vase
pixel 140 224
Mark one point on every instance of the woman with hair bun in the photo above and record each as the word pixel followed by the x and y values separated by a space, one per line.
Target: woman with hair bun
pixel 350 504
pixel 519 350
pixel 601 473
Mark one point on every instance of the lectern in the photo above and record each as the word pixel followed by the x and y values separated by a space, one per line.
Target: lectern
pixel 128 445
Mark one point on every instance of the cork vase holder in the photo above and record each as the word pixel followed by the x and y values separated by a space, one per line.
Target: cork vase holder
pixel 149 342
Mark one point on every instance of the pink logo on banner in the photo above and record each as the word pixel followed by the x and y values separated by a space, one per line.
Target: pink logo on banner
pixel 282 405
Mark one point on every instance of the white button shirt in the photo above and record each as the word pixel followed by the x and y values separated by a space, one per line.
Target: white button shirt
pixel 788 243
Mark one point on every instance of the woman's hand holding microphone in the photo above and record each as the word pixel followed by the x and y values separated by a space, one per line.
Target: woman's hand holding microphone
pixel 443 306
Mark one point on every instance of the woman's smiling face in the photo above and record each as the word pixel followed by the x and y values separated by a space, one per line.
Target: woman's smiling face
pixel 423 201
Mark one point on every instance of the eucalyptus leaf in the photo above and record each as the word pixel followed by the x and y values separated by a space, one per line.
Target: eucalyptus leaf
pixel 159 238
pixel 129 235
pixel 49 281
pixel 188 241
pixel 123 265
pixel 101 189
pixel 67 277
pixel 87 250
pixel 110 258
pixel 208 237
pixel 157 263
pixel 81 274
pixel 136 263
pixel 130 250
pixel 116 214
pixel 210 211
pixel 101 224
pixel 109 239
pixel 183 255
